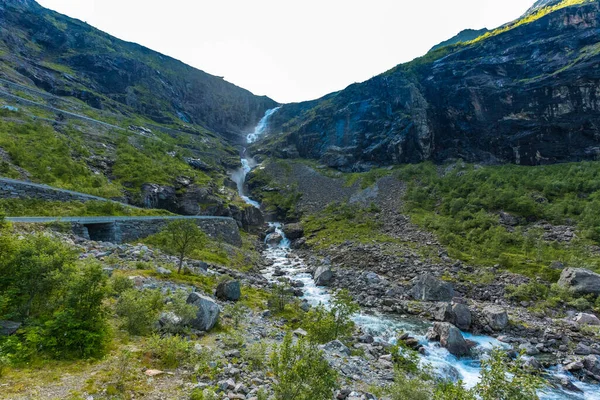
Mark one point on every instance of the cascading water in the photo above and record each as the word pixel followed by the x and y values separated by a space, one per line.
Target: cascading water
pixel 386 327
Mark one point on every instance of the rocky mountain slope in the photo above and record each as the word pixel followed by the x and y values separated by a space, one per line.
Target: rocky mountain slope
pixel 526 93
pixel 67 57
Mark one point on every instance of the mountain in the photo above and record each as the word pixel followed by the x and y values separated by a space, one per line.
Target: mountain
pixel 463 36
pixel 526 93
pixel 67 57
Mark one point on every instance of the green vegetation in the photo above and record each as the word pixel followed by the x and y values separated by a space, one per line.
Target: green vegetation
pixel 462 208
pixel 44 208
pixel 181 238
pixel 366 179
pixel 276 198
pixel 58 299
pixel 338 223
pixel 549 299
pixel 324 325
pixel 301 372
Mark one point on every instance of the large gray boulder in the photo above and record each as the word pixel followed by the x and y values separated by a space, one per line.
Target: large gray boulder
pixel 496 317
pixel 592 364
pixel 462 316
pixel 229 290
pixel 207 314
pixel 449 337
pixel 587 319
pixel 429 288
pixel 323 276
pixel 8 328
pixel 580 281
pixel 293 231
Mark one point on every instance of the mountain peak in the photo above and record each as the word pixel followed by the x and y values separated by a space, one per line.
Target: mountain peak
pixel 21 3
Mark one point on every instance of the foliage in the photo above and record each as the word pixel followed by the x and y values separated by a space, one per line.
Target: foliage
pixel 119 284
pixel 181 238
pixel 405 387
pixel 275 198
pixel 279 297
pixel 43 208
pixel 462 207
pixel 139 310
pixel 183 313
pixel 338 223
pixel 59 300
pixel 237 313
pixel 171 351
pixel 256 355
pixel 324 325
pixel 301 372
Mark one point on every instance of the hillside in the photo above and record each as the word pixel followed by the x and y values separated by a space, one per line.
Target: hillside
pixel 525 93
pixel 85 111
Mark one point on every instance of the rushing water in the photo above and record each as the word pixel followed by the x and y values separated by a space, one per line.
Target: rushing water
pixel 386 327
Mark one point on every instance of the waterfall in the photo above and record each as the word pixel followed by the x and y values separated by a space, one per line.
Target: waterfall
pixel 248 163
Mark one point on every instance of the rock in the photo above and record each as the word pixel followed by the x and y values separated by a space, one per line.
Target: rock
pixel 153 372
pixel 496 317
pixel 582 349
pixel 169 319
pixel 207 314
pixel 8 328
pixel 592 364
pixel 449 337
pixel 587 319
pixel 533 363
pixel 428 288
pixel 580 281
pixel 570 386
pixel 529 349
pixel 442 312
pixel 274 239
pixel 337 347
pixel 300 332
pixel 163 271
pixel 323 276
pixel 574 366
pixel 461 316
pixel 228 290
pixel 293 231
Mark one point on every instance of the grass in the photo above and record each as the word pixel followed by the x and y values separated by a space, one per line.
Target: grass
pixel 44 208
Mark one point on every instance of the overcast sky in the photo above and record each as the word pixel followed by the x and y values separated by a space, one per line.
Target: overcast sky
pixel 290 50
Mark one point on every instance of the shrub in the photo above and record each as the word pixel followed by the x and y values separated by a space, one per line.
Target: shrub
pixel 405 387
pixel 324 325
pixel 120 284
pixel 256 356
pixel 139 310
pixel 301 372
pixel 279 297
pixel 531 291
pixel 237 313
pixel 170 351
pixel 178 306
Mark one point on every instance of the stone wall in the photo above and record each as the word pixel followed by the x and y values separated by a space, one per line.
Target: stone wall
pixel 10 188
pixel 131 229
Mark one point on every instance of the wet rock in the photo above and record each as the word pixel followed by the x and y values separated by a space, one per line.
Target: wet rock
pixel 449 337
pixel 529 349
pixel 496 317
pixel 569 386
pixel 8 328
pixel 587 319
pixel 293 231
pixel 229 291
pixel 323 276
pixel 336 347
pixel 274 239
pixel 592 364
pixel 580 281
pixel 207 314
pixel 429 288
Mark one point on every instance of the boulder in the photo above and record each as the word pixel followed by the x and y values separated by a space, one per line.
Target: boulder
pixel 207 314
pixel 293 231
pixel 461 316
pixel 323 276
pixel 229 290
pixel 274 239
pixel 496 317
pixel 8 328
pixel 429 288
pixel 336 347
pixel 580 281
pixel 592 364
pixel 587 319
pixel 449 337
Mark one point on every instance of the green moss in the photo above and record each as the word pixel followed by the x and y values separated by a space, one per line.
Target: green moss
pixel 44 208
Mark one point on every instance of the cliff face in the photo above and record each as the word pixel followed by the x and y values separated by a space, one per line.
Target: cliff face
pixel 67 57
pixel 528 95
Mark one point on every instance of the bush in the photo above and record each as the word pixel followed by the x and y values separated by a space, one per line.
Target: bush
pixel 301 372
pixel 139 310
pixel 256 356
pixel 324 325
pixel 531 291
pixel 120 284
pixel 279 297
pixel 409 388
pixel 184 312
pixel 236 313
pixel 171 351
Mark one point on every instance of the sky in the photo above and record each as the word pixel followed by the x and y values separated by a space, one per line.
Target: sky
pixel 290 50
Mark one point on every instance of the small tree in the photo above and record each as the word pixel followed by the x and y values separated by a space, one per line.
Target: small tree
pixel 301 372
pixel 183 237
pixel 325 325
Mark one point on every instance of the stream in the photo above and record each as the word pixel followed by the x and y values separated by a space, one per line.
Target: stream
pixel 385 327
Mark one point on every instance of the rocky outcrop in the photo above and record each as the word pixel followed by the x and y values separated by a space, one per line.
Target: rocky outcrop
pixel 495 317
pixel 427 287
pixel 580 281
pixel 528 95
pixel 323 276
pixel 449 337
pixel 587 319
pixel 207 314
pixel 229 291
pixel 293 231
